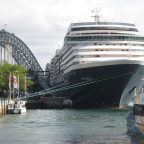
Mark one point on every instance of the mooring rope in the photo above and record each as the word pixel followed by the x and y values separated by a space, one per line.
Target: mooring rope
pixel 62 88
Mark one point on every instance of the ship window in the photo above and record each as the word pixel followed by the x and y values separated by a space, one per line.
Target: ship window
pixel 138 109
pixel 105 38
pixel 97 56
pixel 106 28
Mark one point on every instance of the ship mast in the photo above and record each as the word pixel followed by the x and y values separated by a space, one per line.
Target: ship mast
pixel 96 15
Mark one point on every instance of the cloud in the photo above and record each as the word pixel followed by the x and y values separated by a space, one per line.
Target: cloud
pixel 42 24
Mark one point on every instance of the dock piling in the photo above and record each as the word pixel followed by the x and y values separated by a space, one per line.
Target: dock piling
pixel 3 106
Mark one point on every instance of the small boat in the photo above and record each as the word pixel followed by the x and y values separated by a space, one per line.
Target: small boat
pixel 17 107
pixel 135 119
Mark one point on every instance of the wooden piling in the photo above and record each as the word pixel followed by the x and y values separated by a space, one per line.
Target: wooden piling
pixel 0 108
pixel 3 106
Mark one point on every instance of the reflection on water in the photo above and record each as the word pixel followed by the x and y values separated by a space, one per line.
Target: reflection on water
pixel 68 126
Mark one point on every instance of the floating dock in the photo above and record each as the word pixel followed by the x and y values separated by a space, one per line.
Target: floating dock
pixel 49 103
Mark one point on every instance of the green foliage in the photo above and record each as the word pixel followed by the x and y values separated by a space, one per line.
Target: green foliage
pixel 14 69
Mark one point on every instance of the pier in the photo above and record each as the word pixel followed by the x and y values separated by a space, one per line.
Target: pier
pixel 49 103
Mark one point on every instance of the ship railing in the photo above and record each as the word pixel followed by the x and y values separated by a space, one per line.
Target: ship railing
pixel 102 23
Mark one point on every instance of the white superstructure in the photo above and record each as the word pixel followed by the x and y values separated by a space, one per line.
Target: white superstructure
pixel 90 44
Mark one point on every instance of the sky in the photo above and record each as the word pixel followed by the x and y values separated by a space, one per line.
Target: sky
pixel 42 24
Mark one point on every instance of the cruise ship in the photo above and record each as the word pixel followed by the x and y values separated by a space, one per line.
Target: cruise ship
pixel 96 62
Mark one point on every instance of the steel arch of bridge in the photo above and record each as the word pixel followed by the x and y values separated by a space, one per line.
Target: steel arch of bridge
pixel 20 52
pixel 23 55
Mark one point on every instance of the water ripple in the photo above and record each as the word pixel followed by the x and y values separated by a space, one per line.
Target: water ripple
pixel 68 126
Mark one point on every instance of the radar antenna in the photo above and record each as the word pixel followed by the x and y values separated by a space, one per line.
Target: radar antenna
pixel 96 15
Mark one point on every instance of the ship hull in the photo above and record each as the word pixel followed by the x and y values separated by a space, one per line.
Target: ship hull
pixel 97 86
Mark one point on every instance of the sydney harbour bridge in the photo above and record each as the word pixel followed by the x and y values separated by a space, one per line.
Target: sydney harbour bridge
pixel 15 51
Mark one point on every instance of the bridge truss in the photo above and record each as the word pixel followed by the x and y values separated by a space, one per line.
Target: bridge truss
pixel 22 55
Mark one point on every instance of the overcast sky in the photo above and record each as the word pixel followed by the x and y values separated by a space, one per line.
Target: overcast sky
pixel 42 24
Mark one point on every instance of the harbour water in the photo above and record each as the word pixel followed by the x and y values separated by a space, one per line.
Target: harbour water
pixel 66 126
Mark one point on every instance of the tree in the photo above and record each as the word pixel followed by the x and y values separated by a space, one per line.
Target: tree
pixel 14 69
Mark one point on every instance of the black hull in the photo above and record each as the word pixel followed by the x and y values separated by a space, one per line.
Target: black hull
pixel 97 86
